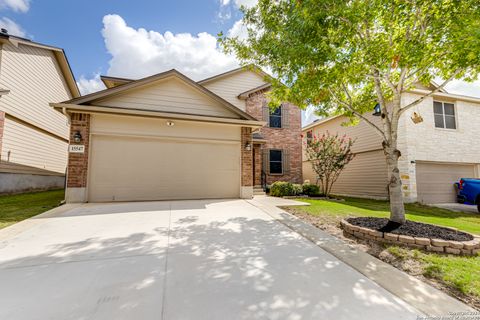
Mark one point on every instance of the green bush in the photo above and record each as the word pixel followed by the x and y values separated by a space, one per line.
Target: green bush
pixel 297 189
pixel 311 189
pixel 282 189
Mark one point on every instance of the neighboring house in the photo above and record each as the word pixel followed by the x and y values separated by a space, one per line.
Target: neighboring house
pixel 436 152
pixel 33 137
pixel 169 137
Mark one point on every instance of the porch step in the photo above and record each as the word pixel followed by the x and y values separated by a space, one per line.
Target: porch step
pixel 258 191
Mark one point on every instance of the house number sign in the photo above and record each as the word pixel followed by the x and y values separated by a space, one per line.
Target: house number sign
pixel 76 148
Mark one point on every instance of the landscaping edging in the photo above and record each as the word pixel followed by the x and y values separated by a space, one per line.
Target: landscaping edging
pixel 470 248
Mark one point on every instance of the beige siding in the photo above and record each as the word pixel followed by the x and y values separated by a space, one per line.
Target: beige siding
pixel 146 127
pixel 435 180
pixel 34 79
pixel 365 176
pixel 29 147
pixel 366 137
pixel 229 87
pixel 169 95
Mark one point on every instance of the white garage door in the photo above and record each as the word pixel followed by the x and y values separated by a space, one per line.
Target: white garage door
pixel 135 169
pixel 435 181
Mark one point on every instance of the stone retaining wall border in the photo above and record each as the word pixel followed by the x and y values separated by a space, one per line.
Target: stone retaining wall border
pixel 469 248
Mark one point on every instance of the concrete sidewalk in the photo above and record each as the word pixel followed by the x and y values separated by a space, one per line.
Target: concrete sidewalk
pixel 457 207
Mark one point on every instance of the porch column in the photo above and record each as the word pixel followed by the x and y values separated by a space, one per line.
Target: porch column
pixel 246 191
pixel 257 174
pixel 77 170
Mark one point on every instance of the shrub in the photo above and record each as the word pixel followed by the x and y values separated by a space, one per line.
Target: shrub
pixel 282 189
pixel 297 189
pixel 311 189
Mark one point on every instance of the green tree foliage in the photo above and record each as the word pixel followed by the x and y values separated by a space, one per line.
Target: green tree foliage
pixel 344 57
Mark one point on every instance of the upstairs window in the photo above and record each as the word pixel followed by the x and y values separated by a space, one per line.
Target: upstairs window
pixel 444 114
pixel 276 161
pixel 275 120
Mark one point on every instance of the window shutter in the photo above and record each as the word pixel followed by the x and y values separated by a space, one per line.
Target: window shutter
pixel 266 161
pixel 286 161
pixel 285 119
pixel 266 114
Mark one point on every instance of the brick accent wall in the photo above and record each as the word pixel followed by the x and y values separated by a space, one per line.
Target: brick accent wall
pixel 78 162
pixel 258 164
pixel 288 138
pixel 247 158
pixel 2 124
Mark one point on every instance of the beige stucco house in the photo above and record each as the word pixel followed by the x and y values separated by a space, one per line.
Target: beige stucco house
pixel 33 137
pixel 436 152
pixel 169 137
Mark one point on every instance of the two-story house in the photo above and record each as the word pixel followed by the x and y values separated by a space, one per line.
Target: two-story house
pixel 438 140
pixel 33 137
pixel 169 137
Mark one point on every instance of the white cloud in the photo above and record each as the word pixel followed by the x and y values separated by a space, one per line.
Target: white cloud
pixel 238 30
pixel 239 3
pixel 87 86
pixel 464 88
pixel 16 5
pixel 138 53
pixel 246 3
pixel 12 27
pixel 224 15
pixel 308 115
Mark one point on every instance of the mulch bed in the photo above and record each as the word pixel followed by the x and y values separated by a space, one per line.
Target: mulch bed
pixel 413 229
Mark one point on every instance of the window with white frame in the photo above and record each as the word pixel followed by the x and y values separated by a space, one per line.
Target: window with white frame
pixel 444 113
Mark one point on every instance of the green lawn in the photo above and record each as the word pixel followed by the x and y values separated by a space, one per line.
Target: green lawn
pixel 457 272
pixel 15 208
pixel 461 273
pixel 334 210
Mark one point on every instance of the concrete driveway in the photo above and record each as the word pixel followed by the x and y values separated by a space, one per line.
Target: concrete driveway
pixel 178 260
pixel 457 207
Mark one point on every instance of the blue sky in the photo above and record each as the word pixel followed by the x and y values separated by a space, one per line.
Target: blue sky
pixel 76 25
pixel 138 38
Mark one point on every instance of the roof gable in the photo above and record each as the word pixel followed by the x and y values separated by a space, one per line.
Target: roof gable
pixel 249 68
pixel 59 54
pixel 170 92
pixel 111 82
pixel 231 84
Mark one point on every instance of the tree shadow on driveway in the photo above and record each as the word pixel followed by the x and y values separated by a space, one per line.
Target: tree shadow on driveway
pixel 218 263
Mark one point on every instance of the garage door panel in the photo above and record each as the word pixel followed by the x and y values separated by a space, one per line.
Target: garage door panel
pixel 435 181
pixel 128 169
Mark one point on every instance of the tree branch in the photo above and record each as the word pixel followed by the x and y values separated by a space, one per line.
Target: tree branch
pixel 440 87
pixel 359 115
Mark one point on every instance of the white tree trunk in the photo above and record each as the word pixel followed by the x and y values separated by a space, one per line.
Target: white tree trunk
pixel 397 208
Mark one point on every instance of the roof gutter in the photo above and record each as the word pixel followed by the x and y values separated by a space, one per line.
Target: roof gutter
pixel 446 95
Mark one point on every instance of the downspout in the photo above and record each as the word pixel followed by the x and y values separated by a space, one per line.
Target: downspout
pixel 64 111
